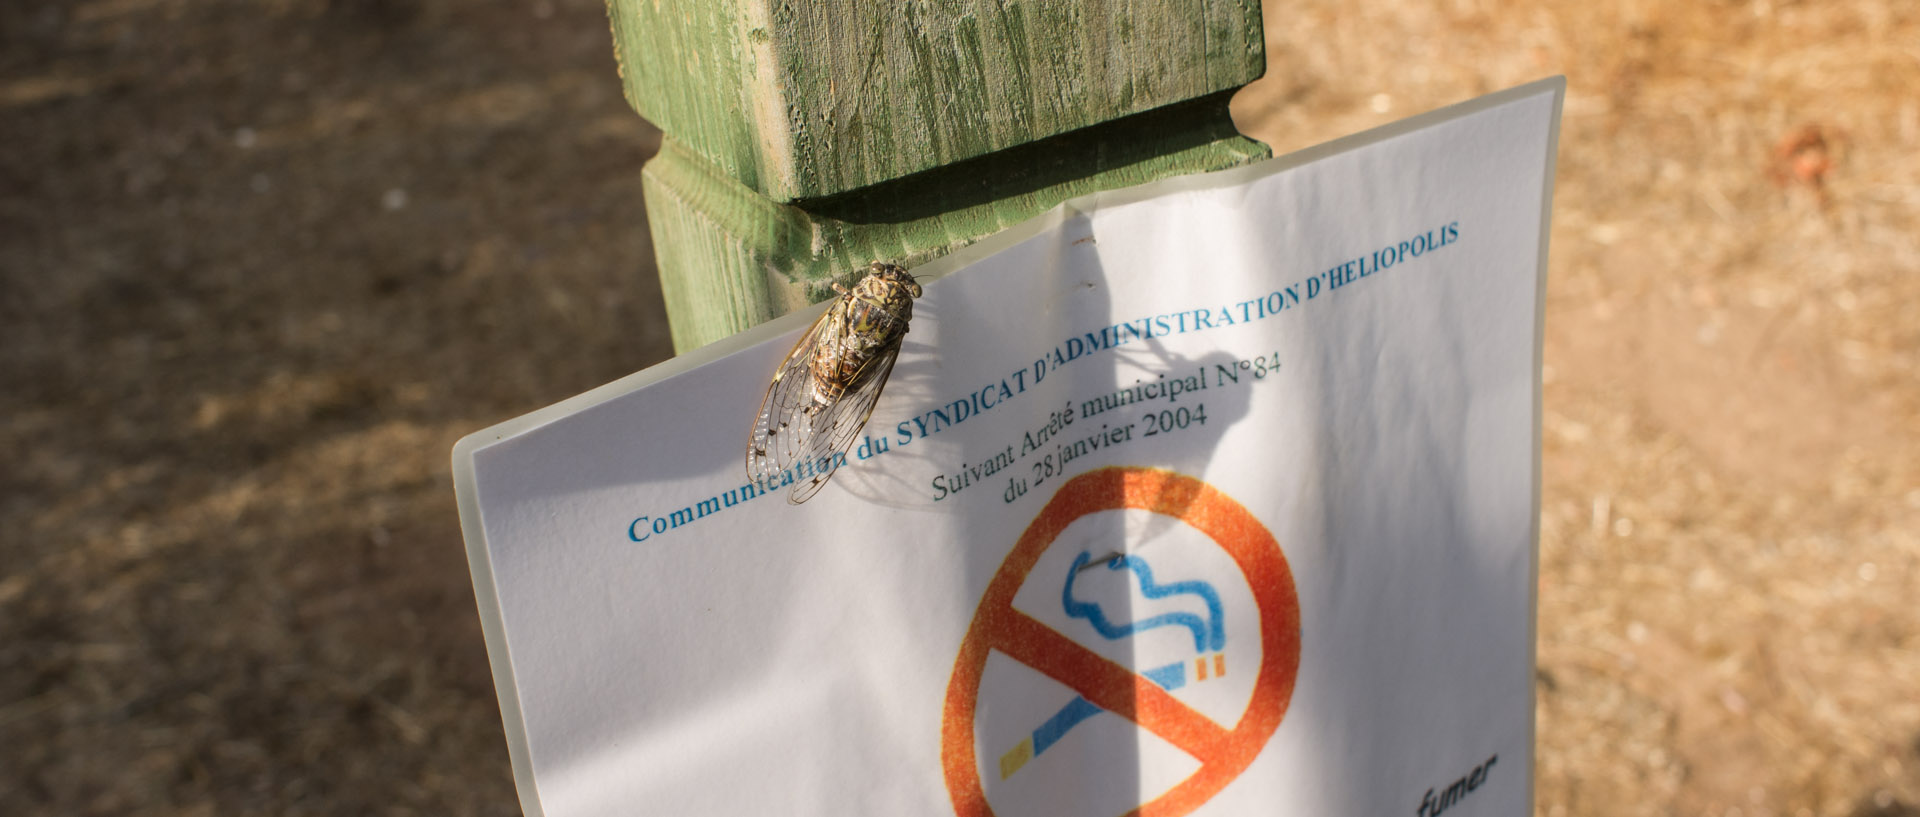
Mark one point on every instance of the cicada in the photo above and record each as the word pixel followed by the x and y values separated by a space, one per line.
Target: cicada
pixel 825 390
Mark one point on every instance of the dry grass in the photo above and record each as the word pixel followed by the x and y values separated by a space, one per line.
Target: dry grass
pixel 235 360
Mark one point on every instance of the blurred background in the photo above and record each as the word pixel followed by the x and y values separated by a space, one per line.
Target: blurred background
pixel 263 261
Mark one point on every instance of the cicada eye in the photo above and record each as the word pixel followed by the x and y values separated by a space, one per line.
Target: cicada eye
pixel 913 288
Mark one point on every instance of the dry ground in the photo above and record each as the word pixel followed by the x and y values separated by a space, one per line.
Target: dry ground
pixel 1730 548
pixel 262 262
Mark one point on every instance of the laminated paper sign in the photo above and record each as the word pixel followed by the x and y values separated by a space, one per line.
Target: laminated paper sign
pixel 1216 496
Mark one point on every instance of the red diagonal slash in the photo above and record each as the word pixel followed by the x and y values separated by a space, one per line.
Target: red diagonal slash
pixel 1108 685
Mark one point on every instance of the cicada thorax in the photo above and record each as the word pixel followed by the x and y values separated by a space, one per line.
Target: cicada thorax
pixel 862 324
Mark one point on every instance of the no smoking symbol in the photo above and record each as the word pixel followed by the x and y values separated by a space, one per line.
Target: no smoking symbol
pixel 1223 752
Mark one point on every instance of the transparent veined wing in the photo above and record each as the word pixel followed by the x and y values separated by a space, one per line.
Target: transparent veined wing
pixel 782 428
pixel 834 428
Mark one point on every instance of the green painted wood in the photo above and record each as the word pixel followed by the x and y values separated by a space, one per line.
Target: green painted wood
pixel 731 258
pixel 803 100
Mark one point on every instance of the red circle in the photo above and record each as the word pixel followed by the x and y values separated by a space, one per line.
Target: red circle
pixel 1223 753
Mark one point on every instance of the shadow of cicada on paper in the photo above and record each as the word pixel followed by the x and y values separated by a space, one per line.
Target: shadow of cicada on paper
pixel 878 468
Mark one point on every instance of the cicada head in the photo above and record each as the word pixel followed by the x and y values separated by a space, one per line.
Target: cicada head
pixel 895 275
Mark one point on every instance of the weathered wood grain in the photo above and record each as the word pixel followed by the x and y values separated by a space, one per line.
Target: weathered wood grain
pixel 801 100
pixel 730 257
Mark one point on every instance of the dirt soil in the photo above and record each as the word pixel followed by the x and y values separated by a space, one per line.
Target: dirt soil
pixel 261 263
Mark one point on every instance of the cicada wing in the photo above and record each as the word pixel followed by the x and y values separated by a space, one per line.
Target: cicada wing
pixel 783 428
pixel 835 428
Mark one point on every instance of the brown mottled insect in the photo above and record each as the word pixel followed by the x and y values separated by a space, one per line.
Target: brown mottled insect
pixel 823 393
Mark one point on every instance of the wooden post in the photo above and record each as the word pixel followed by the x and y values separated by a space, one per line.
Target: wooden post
pixel 806 139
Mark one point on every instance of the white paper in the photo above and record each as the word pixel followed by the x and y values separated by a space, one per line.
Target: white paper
pixel 1355 579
